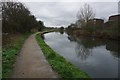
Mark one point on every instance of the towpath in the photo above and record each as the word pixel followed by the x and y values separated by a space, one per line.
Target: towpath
pixel 31 62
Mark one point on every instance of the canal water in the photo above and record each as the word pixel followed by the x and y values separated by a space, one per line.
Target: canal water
pixel 97 57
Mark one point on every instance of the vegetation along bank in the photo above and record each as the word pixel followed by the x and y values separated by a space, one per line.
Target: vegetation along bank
pixel 11 51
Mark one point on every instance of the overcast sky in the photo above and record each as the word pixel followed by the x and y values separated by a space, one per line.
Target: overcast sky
pixel 60 13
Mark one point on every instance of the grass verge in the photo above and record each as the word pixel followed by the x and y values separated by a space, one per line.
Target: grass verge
pixel 10 53
pixel 64 68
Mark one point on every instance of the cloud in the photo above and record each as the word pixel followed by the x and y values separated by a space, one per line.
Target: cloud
pixel 68 0
pixel 105 9
pixel 64 13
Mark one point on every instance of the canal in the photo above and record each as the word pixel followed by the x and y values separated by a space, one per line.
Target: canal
pixel 97 57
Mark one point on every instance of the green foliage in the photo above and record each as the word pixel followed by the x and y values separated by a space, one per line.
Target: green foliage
pixel 41 25
pixel 9 55
pixel 16 18
pixel 58 63
pixel 61 28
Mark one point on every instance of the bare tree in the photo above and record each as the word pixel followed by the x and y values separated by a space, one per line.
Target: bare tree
pixel 85 14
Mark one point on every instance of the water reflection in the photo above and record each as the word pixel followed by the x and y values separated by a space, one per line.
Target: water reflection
pixel 84 44
pixel 43 37
pixel 61 32
pixel 82 52
pixel 113 46
pixel 97 57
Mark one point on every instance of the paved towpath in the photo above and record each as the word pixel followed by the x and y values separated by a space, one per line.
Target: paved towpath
pixel 31 62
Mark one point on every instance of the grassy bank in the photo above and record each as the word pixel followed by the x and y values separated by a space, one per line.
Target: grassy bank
pixel 10 53
pixel 58 63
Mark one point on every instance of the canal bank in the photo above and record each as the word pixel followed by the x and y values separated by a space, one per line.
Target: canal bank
pixel 64 68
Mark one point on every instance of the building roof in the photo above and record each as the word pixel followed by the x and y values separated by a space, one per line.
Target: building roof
pixel 118 15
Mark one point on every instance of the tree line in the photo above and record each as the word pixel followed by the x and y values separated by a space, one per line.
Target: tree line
pixel 87 24
pixel 16 18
